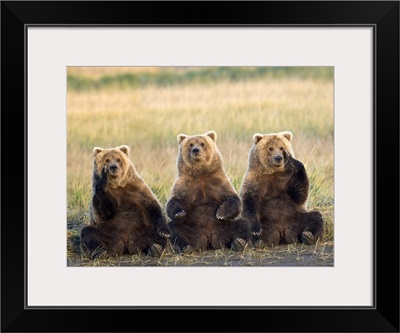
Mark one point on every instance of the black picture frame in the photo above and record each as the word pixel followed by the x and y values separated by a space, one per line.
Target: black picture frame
pixel 383 316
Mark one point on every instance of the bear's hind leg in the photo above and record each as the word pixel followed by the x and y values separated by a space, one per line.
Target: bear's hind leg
pixel 270 237
pixel 180 238
pixel 312 227
pixel 90 243
pixel 145 241
pixel 116 247
pixel 241 234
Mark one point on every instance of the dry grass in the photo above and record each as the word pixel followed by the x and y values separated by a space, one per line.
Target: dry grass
pixel 321 254
pixel 149 119
pixel 98 72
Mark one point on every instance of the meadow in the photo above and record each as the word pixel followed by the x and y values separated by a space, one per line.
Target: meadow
pixel 147 107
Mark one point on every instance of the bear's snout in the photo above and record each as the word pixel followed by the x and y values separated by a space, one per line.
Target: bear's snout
pixel 195 153
pixel 278 159
pixel 113 168
pixel 195 150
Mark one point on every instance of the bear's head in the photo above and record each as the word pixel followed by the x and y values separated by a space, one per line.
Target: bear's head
pixel 198 153
pixel 114 160
pixel 270 151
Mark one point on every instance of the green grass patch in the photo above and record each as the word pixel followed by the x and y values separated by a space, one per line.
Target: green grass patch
pixel 205 75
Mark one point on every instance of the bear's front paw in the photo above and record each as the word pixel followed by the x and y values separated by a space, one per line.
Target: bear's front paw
pixel 104 173
pixel 228 210
pixel 103 181
pixel 296 165
pixel 289 158
pixel 163 231
pixel 179 213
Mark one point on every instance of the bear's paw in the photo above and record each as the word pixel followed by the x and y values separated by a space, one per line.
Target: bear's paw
pixel 239 244
pixel 155 250
pixel 308 238
pixel 259 244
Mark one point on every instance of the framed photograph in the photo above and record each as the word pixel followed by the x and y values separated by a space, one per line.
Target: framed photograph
pixel 137 81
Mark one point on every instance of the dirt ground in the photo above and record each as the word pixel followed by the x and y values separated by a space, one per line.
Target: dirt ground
pixel 321 254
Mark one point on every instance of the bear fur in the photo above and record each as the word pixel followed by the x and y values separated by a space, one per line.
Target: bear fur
pixel 125 215
pixel 274 193
pixel 203 207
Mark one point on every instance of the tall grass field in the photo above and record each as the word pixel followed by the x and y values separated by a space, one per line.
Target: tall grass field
pixel 147 107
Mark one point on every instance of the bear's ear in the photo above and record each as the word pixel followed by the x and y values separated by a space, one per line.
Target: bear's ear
pixel 180 137
pixel 257 137
pixel 212 135
pixel 97 150
pixel 288 135
pixel 124 149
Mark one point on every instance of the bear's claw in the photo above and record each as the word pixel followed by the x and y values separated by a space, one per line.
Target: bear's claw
pixel 257 233
pixel 256 230
pixel 308 238
pixel 187 249
pixel 155 250
pixel 98 252
pixel 289 158
pixel 162 232
pixel 227 210
pixel 259 244
pixel 239 244
pixel 180 213
pixel 287 153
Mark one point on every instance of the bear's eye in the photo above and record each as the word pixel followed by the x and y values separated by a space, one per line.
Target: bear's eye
pixel 202 144
pixel 107 160
pixel 118 160
pixel 270 149
pixel 281 148
pixel 191 145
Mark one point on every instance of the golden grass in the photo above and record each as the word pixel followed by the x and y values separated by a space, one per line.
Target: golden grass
pixel 149 119
pixel 95 72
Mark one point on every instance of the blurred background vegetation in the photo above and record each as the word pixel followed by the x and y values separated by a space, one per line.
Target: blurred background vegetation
pixel 86 78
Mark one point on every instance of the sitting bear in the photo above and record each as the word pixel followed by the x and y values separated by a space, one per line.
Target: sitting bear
pixel 125 215
pixel 274 194
pixel 203 206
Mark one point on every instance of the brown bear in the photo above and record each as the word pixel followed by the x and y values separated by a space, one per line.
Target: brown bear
pixel 203 207
pixel 125 215
pixel 274 194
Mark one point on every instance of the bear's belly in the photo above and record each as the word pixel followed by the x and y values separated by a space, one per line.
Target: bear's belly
pixel 129 220
pixel 202 213
pixel 279 209
pixel 206 194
